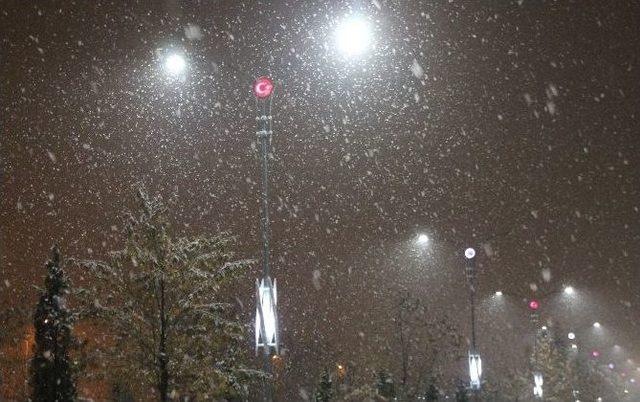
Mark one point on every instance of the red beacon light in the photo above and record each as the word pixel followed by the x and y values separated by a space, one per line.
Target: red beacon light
pixel 262 87
pixel 534 305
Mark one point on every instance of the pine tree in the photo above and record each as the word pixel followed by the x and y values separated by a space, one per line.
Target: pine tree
pixel 160 301
pixel 324 391
pixel 52 371
pixel 550 358
pixel 432 393
pixel 385 385
pixel 461 393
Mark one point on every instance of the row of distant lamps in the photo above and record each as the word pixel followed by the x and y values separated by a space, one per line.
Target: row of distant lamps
pixel 475 362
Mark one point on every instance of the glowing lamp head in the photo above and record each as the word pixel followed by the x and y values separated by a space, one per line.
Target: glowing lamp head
pixel 175 64
pixel 353 36
pixel 595 354
pixel 534 305
pixel 262 87
pixel 569 290
pixel 422 239
pixel 596 325
pixel 571 335
pixel 499 293
pixel 469 253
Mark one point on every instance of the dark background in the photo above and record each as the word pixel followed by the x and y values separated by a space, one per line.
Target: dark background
pixel 520 138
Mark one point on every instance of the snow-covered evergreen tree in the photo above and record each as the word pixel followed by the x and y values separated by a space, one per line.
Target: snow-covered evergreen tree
pixel 365 393
pixel 461 393
pixel 52 370
pixel 385 385
pixel 159 299
pixel 324 390
pixel 432 393
pixel 550 357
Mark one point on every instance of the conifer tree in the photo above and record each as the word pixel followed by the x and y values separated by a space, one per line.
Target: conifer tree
pixel 52 370
pixel 550 358
pixel 160 300
pixel 324 391
pixel 461 393
pixel 385 385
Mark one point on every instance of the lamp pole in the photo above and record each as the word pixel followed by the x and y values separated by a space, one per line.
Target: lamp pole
pixel 267 336
pixel 475 362
pixel 538 379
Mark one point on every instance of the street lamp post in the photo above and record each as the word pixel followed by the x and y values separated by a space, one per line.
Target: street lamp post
pixel 475 362
pixel 267 334
pixel 538 379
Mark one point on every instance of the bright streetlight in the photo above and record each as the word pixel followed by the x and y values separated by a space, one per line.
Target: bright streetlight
pixel 175 64
pixel 569 290
pixel 353 36
pixel 596 325
pixel 498 293
pixel 422 239
pixel 571 336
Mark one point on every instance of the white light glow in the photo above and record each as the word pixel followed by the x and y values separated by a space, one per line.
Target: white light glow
pixel 574 346
pixel 423 239
pixel 498 293
pixel 266 315
pixel 175 64
pixel 596 325
pixel 569 290
pixel 571 336
pixel 475 370
pixel 353 36
pixel 469 253
pixel 538 381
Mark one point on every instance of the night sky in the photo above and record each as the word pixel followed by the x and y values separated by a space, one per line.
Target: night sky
pixel 510 126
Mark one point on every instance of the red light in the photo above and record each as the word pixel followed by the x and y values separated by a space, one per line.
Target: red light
pixel 534 305
pixel 262 87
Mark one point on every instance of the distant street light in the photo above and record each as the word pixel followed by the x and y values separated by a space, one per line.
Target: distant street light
pixel 353 36
pixel 569 290
pixel 175 64
pixel 475 362
pixel 596 325
pixel 470 253
pixel 422 239
pixel 498 293
pixel 571 335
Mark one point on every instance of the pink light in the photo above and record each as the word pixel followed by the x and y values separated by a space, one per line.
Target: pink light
pixel 262 87
pixel 534 305
pixel 595 353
